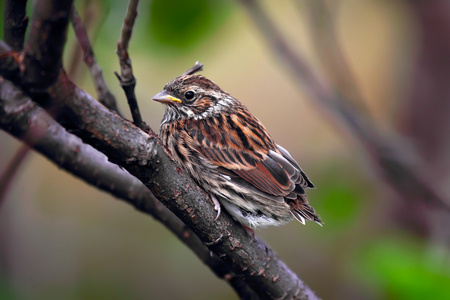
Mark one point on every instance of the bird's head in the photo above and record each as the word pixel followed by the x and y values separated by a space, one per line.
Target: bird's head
pixel 193 96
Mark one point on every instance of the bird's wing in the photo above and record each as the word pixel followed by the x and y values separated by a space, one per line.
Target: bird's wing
pixel 244 152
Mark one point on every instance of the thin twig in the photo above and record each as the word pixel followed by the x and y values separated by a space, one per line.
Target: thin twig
pixel 22 118
pixel 397 163
pixel 126 77
pixel 9 173
pixel 94 16
pixel 104 94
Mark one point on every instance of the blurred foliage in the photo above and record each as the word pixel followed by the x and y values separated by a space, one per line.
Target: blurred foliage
pixel 339 203
pixel 7 292
pixel 180 25
pixel 405 268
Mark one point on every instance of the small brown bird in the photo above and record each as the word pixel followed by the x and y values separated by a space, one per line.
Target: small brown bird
pixel 230 154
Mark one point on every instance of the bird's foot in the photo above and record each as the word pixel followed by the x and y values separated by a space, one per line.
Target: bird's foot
pixel 217 206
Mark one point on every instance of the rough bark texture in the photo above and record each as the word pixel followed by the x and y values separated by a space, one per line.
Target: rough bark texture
pixel 246 262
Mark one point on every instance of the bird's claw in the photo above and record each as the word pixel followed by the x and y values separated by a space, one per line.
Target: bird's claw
pixel 217 206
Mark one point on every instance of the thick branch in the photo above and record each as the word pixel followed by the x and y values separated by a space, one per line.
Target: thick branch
pixel 15 23
pixel 145 158
pixel 22 118
pixel 42 57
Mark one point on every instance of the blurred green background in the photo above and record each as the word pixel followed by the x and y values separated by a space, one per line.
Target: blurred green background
pixel 63 239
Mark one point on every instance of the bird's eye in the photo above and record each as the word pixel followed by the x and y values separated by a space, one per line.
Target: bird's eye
pixel 189 95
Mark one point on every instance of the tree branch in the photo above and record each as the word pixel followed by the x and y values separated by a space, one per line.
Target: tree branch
pixel 103 93
pixel 15 23
pixel 327 46
pixel 126 77
pixel 9 65
pixel 11 170
pixel 144 157
pixel 398 164
pixel 20 117
pixel 42 55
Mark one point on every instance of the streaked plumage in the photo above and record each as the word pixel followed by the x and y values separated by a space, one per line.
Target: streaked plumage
pixel 230 154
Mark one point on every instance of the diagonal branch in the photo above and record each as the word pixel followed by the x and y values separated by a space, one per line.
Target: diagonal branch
pixel 144 157
pixel 103 93
pixel 22 118
pixel 8 175
pixel 397 163
pixel 328 47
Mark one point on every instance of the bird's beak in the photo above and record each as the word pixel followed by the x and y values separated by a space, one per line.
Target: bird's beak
pixel 165 98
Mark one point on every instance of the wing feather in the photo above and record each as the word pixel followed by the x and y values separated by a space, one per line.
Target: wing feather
pixel 253 157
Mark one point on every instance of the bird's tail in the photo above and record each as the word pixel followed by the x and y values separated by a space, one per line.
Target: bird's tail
pixel 302 211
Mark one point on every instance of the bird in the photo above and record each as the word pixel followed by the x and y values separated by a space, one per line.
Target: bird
pixel 228 152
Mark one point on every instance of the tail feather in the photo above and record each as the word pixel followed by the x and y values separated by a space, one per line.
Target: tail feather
pixel 302 211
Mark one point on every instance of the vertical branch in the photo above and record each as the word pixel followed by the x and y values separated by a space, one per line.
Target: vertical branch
pixel 15 23
pixel 104 95
pixel 126 77
pixel 426 115
pixel 42 56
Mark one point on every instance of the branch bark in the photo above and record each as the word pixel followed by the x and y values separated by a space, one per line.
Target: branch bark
pixel 145 158
pixel 126 77
pixel 103 93
pixel 42 55
pixel 26 121
pixel 15 23
pixel 252 262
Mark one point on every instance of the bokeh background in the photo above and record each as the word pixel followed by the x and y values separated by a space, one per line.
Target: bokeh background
pixel 63 239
